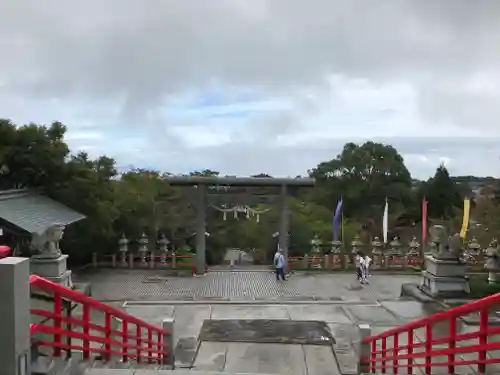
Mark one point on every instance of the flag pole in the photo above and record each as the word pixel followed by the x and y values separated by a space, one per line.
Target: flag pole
pixel 342 228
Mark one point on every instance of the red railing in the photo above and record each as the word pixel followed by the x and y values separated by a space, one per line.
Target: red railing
pixel 450 350
pixel 59 331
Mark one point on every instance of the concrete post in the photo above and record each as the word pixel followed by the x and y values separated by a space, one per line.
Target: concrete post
pixel 15 316
pixel 305 261
pixel 283 232
pixel 169 340
pixel 345 263
pixel 327 262
pixel 174 261
pixel 364 348
pixel 113 260
pixel 201 208
pixel 130 260
pixel 94 260
pixel 152 260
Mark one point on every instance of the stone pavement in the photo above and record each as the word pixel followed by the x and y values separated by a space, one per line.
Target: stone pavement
pixel 336 299
pixel 245 357
pixel 121 285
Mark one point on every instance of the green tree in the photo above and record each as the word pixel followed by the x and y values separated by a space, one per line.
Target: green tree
pixel 443 195
pixel 32 155
pixel 364 175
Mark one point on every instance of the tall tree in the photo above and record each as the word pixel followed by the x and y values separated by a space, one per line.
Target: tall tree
pixel 443 195
pixel 364 175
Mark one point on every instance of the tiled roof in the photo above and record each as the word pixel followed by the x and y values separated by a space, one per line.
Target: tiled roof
pixel 33 212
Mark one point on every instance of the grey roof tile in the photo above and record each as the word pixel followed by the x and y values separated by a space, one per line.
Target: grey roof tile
pixel 34 212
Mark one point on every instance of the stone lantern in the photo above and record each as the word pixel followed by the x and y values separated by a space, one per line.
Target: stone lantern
pixel 123 248
pixel 335 251
pixel 143 248
pixel 473 250
pixel 335 247
pixel 377 251
pixel 377 246
pixel 356 244
pixel 316 251
pixel 414 246
pixel 395 249
pixel 492 263
pixel 315 245
pixel 445 273
pixel 474 247
pixel 163 247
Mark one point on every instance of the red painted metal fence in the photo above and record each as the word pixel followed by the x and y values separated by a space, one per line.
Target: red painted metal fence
pixel 61 332
pixel 399 351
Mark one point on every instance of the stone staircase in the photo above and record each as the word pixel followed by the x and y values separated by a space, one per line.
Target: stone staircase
pixel 173 372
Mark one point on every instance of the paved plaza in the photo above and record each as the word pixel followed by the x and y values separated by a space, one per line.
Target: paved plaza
pixel 123 285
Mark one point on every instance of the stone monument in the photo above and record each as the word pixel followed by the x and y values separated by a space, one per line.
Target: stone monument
pixel 335 247
pixel 163 248
pixel 414 246
pixel 395 247
pixel 472 251
pixel 377 252
pixel 356 244
pixel 492 262
pixel 316 251
pixel 444 274
pixel 143 249
pixel 48 260
pixel 123 248
pixel 335 251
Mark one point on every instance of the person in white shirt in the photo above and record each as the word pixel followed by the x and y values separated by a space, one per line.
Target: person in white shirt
pixel 366 268
pixel 279 264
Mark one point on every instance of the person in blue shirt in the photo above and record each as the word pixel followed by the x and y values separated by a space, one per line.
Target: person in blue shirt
pixel 279 264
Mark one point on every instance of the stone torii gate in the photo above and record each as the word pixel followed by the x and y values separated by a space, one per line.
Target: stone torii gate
pixel 202 185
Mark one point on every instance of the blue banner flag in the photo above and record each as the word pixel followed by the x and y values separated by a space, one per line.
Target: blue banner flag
pixel 336 219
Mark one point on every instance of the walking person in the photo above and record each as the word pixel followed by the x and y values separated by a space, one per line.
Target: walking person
pixel 279 264
pixel 366 268
pixel 359 261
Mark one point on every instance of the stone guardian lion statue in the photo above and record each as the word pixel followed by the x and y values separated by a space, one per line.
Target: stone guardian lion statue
pixel 46 245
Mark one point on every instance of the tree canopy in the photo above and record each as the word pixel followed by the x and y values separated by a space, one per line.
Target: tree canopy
pixel 141 201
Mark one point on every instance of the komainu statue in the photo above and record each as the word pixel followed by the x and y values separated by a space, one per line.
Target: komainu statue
pixel 445 247
pixel 46 245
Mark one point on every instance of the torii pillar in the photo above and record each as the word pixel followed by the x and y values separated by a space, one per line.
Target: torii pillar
pixel 201 228
pixel 283 223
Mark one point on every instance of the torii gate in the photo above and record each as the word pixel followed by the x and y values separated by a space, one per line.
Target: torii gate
pixel 202 195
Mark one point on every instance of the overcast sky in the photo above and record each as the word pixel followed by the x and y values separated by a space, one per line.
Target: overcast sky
pixel 249 86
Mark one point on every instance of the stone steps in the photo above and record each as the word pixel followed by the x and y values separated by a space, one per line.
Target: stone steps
pixel 164 372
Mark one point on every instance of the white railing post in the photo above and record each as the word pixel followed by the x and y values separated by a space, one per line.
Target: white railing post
pixel 364 348
pixel 15 316
pixel 169 340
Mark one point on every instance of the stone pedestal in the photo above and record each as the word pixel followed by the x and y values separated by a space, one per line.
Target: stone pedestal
pixel 53 269
pixel 494 276
pixel 444 278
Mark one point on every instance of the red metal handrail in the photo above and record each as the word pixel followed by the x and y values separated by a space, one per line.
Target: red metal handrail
pixel 146 343
pixel 403 356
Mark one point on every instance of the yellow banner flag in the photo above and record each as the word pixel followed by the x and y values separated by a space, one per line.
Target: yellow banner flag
pixel 465 221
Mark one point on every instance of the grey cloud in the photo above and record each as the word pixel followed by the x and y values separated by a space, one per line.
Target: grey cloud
pixel 147 50
pixel 473 156
pixel 461 107
pixel 137 54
